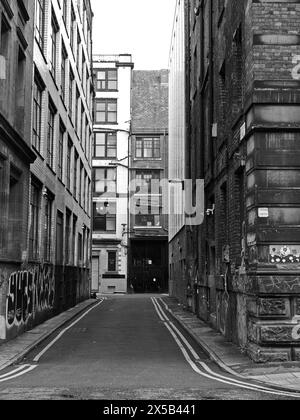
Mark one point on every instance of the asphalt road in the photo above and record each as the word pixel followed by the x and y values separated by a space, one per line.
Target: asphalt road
pixel 123 349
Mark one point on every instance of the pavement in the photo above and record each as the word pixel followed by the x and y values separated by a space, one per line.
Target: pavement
pixel 229 357
pixel 14 351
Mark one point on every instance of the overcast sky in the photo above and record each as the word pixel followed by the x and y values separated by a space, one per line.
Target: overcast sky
pixel 142 28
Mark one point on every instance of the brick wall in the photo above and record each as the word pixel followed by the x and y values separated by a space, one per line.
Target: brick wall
pixel 150 100
pixel 245 87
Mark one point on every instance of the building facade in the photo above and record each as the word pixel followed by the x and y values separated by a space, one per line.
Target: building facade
pixel 243 106
pixel 16 62
pixel 148 229
pixel 113 82
pixel 55 271
pixel 178 153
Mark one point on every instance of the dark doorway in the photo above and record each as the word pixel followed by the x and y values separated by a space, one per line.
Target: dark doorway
pixel 149 266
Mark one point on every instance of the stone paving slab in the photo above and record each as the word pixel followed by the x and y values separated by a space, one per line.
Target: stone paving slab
pixel 15 350
pixel 230 357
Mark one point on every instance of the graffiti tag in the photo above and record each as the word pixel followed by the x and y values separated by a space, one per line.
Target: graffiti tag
pixel 296 69
pixel 296 329
pixel 29 293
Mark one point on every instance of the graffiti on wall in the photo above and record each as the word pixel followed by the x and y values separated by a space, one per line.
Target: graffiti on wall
pixel 29 293
pixel 296 69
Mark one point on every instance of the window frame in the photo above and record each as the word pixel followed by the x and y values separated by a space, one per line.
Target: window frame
pixel 107 102
pixel 105 218
pixel 142 140
pixel 105 179
pixel 104 83
pixel 106 146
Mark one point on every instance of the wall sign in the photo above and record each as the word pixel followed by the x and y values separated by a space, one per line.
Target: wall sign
pixel 263 212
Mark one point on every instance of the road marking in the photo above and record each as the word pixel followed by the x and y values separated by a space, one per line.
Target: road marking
pixel 15 371
pixel 9 378
pixel 210 374
pixel 204 365
pixel 42 353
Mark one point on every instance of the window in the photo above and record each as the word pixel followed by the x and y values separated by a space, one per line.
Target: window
pixel 89 197
pixel 77 111
pixel 78 51
pixel 59 238
pixel 71 87
pixel 105 181
pixel 39 22
pixel 83 128
pixel 76 158
pixel 74 240
pixel 15 213
pixel 107 80
pixel 53 41
pixel 83 68
pixel 65 10
pixel 105 217
pixel 106 111
pixel 34 222
pixel 48 227
pixel 4 37
pixel 150 220
pixel 105 145
pixel 147 182
pixel 61 152
pixel 63 72
pixel 37 113
pixel 72 29
pixel 20 90
pixel 80 183
pixel 68 236
pixel 50 136
pixel 148 148
pixel 112 261
pixel 80 253
pixel 69 157
pixel 86 195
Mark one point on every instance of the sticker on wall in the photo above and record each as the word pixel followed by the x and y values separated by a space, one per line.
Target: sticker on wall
pixel 285 254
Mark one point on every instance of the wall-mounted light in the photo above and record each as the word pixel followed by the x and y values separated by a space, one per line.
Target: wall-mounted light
pixel 210 212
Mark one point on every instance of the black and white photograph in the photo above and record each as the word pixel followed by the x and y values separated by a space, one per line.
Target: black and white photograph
pixel 149 203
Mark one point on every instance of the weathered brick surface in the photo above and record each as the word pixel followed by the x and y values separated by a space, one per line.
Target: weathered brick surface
pixel 242 83
pixel 150 100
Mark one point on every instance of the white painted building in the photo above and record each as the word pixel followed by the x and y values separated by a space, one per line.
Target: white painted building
pixel 177 121
pixel 178 253
pixel 113 80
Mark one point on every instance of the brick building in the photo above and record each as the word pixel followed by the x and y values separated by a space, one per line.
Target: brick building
pixel 16 62
pixel 113 80
pixel 243 136
pixel 55 270
pixel 148 229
